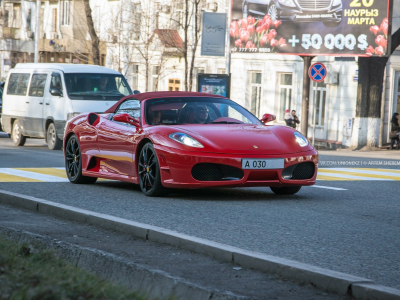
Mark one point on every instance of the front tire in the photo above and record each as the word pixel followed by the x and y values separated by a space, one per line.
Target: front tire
pixel 53 142
pixel 285 190
pixel 73 163
pixel 149 172
pixel 16 134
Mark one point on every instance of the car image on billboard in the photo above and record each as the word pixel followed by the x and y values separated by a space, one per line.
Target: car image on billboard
pixel 311 27
pixel 296 11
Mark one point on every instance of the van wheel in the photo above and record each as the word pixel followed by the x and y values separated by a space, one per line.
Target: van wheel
pixel 53 142
pixel 16 134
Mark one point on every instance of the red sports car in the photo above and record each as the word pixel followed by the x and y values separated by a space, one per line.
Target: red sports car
pixel 164 140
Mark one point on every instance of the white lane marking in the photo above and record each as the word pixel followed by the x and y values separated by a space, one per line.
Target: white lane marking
pixel 351 177
pixel 367 172
pixel 327 187
pixel 32 175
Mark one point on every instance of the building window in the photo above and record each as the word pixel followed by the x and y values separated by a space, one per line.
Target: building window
pixel 255 97
pixel 221 71
pixel 65 17
pixel 54 20
pixel 135 77
pixel 319 94
pixel 174 84
pixel 285 94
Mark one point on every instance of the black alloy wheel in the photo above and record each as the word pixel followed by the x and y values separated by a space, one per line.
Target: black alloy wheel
pixel 73 163
pixel 285 190
pixel 16 134
pixel 149 172
pixel 53 142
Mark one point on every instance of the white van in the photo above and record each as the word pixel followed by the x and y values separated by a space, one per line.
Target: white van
pixel 38 98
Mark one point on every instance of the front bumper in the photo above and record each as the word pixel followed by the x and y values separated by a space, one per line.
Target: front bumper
pixel 176 166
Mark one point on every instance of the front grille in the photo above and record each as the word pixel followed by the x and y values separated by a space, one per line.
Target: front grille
pixel 216 172
pixel 314 4
pixel 299 171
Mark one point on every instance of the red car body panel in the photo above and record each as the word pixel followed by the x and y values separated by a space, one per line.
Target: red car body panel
pixel 116 148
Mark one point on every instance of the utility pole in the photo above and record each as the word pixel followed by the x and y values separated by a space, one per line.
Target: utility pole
pixel 305 104
pixel 37 29
pixel 228 42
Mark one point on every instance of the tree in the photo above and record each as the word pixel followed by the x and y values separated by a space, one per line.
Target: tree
pixel 92 32
pixel 367 122
pixel 190 24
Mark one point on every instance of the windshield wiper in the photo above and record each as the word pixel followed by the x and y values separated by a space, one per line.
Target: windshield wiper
pixel 224 122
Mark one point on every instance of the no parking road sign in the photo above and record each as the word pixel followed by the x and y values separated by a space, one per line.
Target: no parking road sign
pixel 317 72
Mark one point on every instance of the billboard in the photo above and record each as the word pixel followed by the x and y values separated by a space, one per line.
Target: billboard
pixel 213 34
pixel 311 27
pixel 216 84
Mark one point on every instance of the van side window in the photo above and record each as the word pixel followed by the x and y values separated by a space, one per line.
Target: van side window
pixel 56 82
pixel 131 107
pixel 18 84
pixel 37 85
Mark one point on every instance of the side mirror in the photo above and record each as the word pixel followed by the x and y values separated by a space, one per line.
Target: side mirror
pixel 126 118
pixel 267 118
pixel 56 92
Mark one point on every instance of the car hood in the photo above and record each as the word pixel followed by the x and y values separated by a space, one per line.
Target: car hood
pixel 235 139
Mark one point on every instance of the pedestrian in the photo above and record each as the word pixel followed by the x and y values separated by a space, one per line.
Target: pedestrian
pixel 295 119
pixel 394 131
pixel 289 118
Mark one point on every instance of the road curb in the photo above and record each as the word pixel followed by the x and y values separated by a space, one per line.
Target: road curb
pixel 155 284
pixel 333 281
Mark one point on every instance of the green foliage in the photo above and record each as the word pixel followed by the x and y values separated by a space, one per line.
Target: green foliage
pixel 29 273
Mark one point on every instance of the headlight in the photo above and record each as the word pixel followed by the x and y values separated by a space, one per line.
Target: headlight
pixel 300 139
pixel 71 115
pixel 185 139
pixel 287 3
pixel 336 2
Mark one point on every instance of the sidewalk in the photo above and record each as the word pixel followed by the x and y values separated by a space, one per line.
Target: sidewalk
pixel 159 270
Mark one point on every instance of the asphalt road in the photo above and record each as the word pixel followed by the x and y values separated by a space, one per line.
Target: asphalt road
pixel 355 230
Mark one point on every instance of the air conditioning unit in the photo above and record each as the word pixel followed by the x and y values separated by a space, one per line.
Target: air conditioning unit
pixel 213 6
pixel 332 78
pixel 166 9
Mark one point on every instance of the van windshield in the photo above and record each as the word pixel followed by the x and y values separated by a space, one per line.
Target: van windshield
pixel 87 86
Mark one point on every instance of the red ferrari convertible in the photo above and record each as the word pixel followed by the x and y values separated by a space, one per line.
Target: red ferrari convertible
pixel 164 140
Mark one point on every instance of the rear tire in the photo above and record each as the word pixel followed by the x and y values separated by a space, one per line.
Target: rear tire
pixel 149 172
pixel 73 163
pixel 16 134
pixel 285 190
pixel 53 142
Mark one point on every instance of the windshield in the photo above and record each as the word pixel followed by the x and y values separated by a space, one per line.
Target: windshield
pixel 96 86
pixel 188 110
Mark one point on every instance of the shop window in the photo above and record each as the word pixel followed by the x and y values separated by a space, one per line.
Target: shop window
pixel 174 84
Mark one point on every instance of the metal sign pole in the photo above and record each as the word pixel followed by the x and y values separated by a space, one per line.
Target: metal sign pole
pixel 37 29
pixel 314 115
pixel 228 42
pixel 306 95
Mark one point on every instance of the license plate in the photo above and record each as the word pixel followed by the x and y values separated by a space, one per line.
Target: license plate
pixel 263 164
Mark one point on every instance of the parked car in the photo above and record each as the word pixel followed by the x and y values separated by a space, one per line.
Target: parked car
pixel 163 140
pixel 296 10
pixel 39 98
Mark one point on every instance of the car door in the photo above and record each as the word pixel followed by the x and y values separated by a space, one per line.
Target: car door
pixel 54 105
pixel 34 105
pixel 117 141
